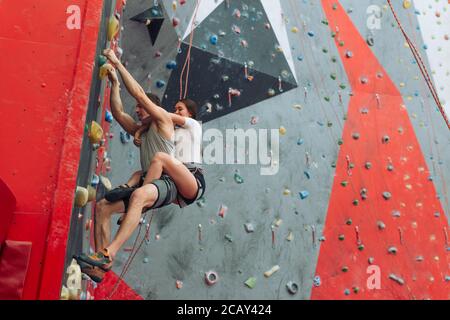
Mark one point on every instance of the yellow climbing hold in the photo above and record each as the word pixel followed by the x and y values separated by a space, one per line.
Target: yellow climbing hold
pixel 113 27
pixel 95 132
pixel 294 30
pixel 103 71
pixel 406 4
pixel 106 183
pixel 92 192
pixel 282 130
pixel 81 197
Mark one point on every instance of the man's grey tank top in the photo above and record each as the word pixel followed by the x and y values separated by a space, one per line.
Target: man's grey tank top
pixel 152 143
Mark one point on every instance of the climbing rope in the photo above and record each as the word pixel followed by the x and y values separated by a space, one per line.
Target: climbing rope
pixel 188 55
pixel 422 66
pixel 133 253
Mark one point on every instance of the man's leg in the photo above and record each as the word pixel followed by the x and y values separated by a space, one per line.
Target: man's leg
pixel 143 197
pixel 102 221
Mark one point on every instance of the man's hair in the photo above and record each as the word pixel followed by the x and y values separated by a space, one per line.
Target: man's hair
pixel 154 98
pixel 191 106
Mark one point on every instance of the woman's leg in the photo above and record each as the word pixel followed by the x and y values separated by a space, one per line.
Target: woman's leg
pixel 183 178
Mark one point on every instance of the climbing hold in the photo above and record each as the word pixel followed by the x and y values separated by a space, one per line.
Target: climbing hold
pixel 355 135
pixel 349 222
pixel 125 137
pixel 95 132
pixel 113 28
pixel 397 279
pixel 238 179
pixel 282 130
pixel 387 195
pixel 92 192
pixel 406 4
pixel 108 116
pixel 103 71
pixel 95 180
pixel 101 60
pixel 211 278
pixel 175 22
pixel 368 165
pixel 303 194
pixel 385 139
pixel 292 287
pixel 392 250
pixel 106 183
pixel 349 54
pixel 341 237
pixel 347 292
pixel 361 247
pixel 317 281
pixel 381 225
pixel 222 211
pixel 229 237
pixel 179 284
pixel 250 282
pixel 344 269
pixel 370 41
pixel 271 92
pixel 81 197
pixel 213 39
pixel 145 260
pixel 311 33
pixel 344 183
pixel 249 227
pixel 371 260
pixel 171 65
pixel 270 272
pixel 160 84
pixel 290 236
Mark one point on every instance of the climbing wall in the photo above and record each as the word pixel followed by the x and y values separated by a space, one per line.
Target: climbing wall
pixel 363 162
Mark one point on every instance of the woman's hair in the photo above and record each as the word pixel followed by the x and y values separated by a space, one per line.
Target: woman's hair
pixel 191 106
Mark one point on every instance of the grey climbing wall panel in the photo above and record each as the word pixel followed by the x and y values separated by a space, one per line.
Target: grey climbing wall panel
pixel 313 116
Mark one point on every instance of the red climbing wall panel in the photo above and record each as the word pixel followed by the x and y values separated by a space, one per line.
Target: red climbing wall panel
pixel 46 70
pixel 418 233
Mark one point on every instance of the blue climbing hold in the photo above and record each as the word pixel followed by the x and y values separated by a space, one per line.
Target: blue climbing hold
pixel 160 84
pixel 108 116
pixel 213 39
pixel 300 142
pixel 95 180
pixel 171 65
pixel 300 58
pixel 303 194
pixel 307 175
pixel 125 137
pixel 311 33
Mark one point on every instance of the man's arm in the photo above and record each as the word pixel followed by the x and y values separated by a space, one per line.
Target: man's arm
pixel 123 118
pixel 157 113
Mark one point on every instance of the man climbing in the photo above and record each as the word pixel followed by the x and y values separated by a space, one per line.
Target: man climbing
pixel 158 139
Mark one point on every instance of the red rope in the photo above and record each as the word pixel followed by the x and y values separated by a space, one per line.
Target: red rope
pixel 188 56
pixel 422 66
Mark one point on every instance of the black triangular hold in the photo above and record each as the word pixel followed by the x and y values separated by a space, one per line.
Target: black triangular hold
pixel 155 17
pixel 206 80
pixel 154 28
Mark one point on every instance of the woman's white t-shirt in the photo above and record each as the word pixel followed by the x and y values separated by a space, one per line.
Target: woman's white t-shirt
pixel 188 141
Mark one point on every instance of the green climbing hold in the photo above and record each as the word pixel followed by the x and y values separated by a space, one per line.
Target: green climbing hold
pixel 341 237
pixel 361 247
pixel 345 269
pixel 355 289
pixel 333 76
pixel 340 142
pixel 344 183
pixel 325 50
pixel 341 43
pixel 327 99
pixel 355 202
pixel 101 60
pixel 333 59
pixel 349 222
pixel 333 165
pixel 342 86
pixel 238 178
pixel 325 22
pixel 329 124
pixel 251 282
